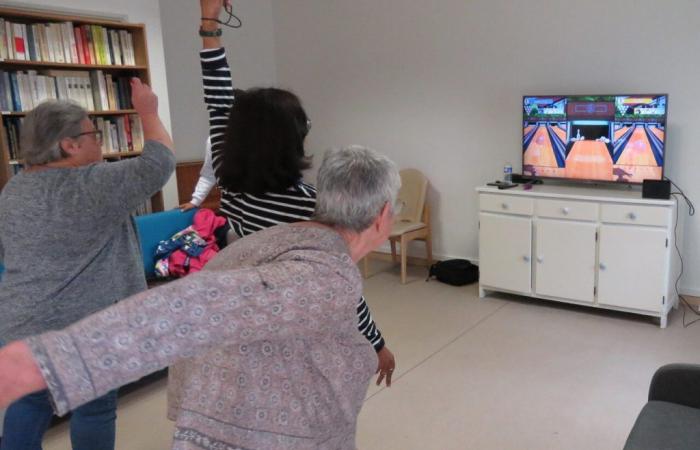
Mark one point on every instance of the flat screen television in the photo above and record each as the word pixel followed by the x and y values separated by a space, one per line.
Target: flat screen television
pixel 611 138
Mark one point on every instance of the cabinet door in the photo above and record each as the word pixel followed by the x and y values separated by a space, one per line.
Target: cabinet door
pixel 565 259
pixel 505 244
pixel 633 263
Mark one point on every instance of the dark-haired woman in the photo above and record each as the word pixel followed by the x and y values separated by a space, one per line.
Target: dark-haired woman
pixel 258 157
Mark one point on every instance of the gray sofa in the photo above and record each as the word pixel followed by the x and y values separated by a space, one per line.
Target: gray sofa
pixel 671 418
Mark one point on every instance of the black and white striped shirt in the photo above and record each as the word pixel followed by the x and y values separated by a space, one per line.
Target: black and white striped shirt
pixel 248 213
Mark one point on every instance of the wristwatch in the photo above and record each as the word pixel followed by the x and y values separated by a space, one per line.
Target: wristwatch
pixel 205 33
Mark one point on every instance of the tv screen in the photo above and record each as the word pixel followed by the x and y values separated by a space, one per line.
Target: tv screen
pixel 615 138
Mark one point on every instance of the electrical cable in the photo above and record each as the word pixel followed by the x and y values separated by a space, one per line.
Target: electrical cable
pixel 691 212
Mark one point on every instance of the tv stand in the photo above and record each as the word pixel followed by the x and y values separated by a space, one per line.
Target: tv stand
pixel 599 247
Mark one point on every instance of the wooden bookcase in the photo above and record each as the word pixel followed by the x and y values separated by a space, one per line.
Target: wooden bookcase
pixel 140 69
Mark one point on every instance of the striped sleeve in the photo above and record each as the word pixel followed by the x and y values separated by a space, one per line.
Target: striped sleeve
pixel 218 97
pixel 367 326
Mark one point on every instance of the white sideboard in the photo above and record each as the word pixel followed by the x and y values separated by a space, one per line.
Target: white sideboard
pixel 606 248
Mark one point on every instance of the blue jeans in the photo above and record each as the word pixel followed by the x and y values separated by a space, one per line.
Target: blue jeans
pixel 91 425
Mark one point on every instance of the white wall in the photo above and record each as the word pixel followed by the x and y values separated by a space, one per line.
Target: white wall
pixel 438 85
pixel 251 55
pixel 138 11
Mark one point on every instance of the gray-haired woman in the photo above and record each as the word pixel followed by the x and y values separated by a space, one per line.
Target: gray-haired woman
pixel 270 322
pixel 69 246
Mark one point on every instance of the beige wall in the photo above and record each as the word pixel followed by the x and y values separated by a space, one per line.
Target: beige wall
pixel 251 55
pixel 438 85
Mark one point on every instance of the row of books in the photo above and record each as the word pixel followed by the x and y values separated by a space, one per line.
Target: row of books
pixel 119 134
pixel 94 91
pixel 65 42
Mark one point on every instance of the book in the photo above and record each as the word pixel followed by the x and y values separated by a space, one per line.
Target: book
pixel 116 47
pixel 110 93
pixel 65 42
pixel 3 92
pixel 31 52
pixel 9 36
pixel 91 44
pixel 3 39
pixel 70 30
pixel 14 85
pixel 80 53
pixel 8 92
pixel 18 41
pixel 97 39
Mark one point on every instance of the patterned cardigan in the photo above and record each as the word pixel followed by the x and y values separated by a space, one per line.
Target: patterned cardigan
pixel 270 325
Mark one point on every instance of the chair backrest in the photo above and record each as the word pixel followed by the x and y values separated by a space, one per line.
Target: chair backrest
pixel 156 227
pixel 414 186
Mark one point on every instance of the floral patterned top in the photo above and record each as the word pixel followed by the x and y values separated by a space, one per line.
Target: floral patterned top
pixel 271 325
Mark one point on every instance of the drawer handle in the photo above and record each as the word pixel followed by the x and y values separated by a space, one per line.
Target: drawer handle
pixel 602 266
pixel 540 259
pixel 632 216
pixel 504 205
pixel 565 211
pixel 526 258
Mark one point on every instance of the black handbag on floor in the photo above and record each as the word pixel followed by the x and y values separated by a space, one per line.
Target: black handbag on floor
pixel 456 272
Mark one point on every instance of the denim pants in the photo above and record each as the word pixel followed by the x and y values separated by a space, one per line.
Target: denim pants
pixel 92 425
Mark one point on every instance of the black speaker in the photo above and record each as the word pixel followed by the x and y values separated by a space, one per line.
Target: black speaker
pixel 660 189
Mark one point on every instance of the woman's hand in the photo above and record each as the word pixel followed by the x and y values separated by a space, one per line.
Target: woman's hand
pixel 386 366
pixel 142 97
pixel 211 9
pixel 19 373
pixel 187 206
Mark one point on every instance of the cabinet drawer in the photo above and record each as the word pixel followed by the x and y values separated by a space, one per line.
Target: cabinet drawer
pixel 567 209
pixel 636 214
pixel 509 204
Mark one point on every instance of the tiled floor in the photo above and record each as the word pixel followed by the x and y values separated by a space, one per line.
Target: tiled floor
pixel 499 373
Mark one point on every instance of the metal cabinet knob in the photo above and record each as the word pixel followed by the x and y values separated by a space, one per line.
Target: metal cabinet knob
pixel 565 211
pixel 540 259
pixel 632 216
pixel 504 205
pixel 526 258
pixel 602 266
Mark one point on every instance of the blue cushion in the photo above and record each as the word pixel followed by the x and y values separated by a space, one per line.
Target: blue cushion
pixel 156 227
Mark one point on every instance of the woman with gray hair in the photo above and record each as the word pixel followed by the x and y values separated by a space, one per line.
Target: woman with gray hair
pixel 270 323
pixel 69 246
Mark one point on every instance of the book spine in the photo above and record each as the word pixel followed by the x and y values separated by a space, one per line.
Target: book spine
pixel 31 55
pixel 8 92
pixel 129 137
pixel 117 48
pixel 16 100
pixel 19 42
pixel 58 43
pixel 70 29
pixel 3 39
pixel 80 52
pixel 87 44
pixel 9 35
pixel 65 42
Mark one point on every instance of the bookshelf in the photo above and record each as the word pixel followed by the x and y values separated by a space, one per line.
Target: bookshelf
pixel 85 59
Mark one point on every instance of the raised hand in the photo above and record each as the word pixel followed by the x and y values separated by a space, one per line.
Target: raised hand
pixel 211 9
pixel 142 97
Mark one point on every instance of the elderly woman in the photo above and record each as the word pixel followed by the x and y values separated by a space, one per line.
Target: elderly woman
pixel 271 323
pixel 69 245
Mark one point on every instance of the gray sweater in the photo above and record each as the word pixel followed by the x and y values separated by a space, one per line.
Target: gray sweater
pixel 68 241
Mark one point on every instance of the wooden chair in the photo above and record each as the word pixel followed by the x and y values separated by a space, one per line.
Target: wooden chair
pixel 412 222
